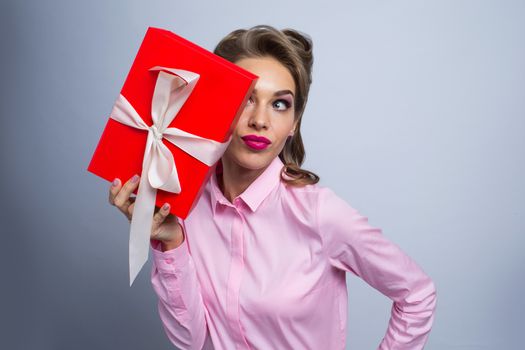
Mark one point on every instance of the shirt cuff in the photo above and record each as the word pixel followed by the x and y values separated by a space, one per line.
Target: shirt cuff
pixel 170 260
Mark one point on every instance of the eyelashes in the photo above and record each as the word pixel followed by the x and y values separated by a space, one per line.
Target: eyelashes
pixel 287 104
pixel 279 104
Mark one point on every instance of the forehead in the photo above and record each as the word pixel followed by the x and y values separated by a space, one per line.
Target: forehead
pixel 273 75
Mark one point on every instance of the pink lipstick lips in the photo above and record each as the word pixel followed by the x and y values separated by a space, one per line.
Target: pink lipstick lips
pixel 256 142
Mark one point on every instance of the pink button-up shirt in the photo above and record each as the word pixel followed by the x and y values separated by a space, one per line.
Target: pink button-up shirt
pixel 268 272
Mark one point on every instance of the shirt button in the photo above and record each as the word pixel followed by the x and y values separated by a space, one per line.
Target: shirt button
pixel 237 202
pixel 168 260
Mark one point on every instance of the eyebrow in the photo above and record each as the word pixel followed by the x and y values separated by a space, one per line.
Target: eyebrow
pixel 279 93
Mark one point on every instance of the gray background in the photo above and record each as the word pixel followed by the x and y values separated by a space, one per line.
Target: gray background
pixel 416 118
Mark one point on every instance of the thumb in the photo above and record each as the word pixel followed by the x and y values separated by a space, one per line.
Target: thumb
pixel 160 216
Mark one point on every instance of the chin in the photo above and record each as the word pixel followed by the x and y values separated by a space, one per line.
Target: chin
pixel 251 160
pixel 255 161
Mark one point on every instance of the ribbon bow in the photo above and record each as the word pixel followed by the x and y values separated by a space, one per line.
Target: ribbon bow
pixel 172 89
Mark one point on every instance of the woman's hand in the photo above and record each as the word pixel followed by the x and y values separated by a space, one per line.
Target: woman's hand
pixel 165 227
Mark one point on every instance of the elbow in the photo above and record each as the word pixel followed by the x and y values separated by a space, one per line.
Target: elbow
pixel 422 299
pixel 428 305
pixel 426 301
pixel 431 298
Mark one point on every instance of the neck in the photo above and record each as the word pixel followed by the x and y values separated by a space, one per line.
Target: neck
pixel 235 179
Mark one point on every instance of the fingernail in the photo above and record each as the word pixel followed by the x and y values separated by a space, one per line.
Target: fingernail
pixel 115 182
pixel 166 206
pixel 135 178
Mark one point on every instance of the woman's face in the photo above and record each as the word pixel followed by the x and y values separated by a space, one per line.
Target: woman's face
pixel 268 117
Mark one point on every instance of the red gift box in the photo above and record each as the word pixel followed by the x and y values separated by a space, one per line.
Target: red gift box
pixel 211 111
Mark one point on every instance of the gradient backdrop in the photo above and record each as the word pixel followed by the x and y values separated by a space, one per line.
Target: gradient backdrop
pixel 416 118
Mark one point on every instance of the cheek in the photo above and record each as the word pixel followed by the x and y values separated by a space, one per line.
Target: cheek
pixel 285 127
pixel 243 121
pixel 238 130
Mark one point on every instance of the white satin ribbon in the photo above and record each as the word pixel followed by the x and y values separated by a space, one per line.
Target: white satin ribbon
pixel 172 89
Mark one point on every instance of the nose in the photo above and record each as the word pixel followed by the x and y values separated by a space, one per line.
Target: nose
pixel 258 118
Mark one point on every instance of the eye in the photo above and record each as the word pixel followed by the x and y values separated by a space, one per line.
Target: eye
pixel 250 101
pixel 281 105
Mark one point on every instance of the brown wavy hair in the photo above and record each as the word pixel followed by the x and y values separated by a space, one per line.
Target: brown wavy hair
pixel 292 49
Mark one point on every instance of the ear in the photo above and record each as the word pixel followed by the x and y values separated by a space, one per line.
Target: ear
pixel 294 128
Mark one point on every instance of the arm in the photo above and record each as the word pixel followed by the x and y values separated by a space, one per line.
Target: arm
pixel 353 245
pixel 180 306
pixel 173 274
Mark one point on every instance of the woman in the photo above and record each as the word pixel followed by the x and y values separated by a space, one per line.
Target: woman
pixel 260 262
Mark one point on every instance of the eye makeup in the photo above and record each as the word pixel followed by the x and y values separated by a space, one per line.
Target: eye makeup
pixel 287 99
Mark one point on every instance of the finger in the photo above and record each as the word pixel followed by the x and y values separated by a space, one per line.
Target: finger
pixel 160 216
pixel 122 200
pixel 113 190
pixel 130 210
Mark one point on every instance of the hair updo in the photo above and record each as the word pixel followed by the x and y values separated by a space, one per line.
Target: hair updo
pixel 294 51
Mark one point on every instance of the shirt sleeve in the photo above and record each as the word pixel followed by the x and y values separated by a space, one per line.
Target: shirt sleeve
pixel 181 308
pixel 352 244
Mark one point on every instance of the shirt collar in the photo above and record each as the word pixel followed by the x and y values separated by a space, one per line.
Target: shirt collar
pixel 258 190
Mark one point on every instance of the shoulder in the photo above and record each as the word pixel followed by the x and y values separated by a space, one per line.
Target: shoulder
pixel 319 202
pixel 330 203
pixel 329 215
pixel 304 196
pixel 316 194
pixel 334 214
